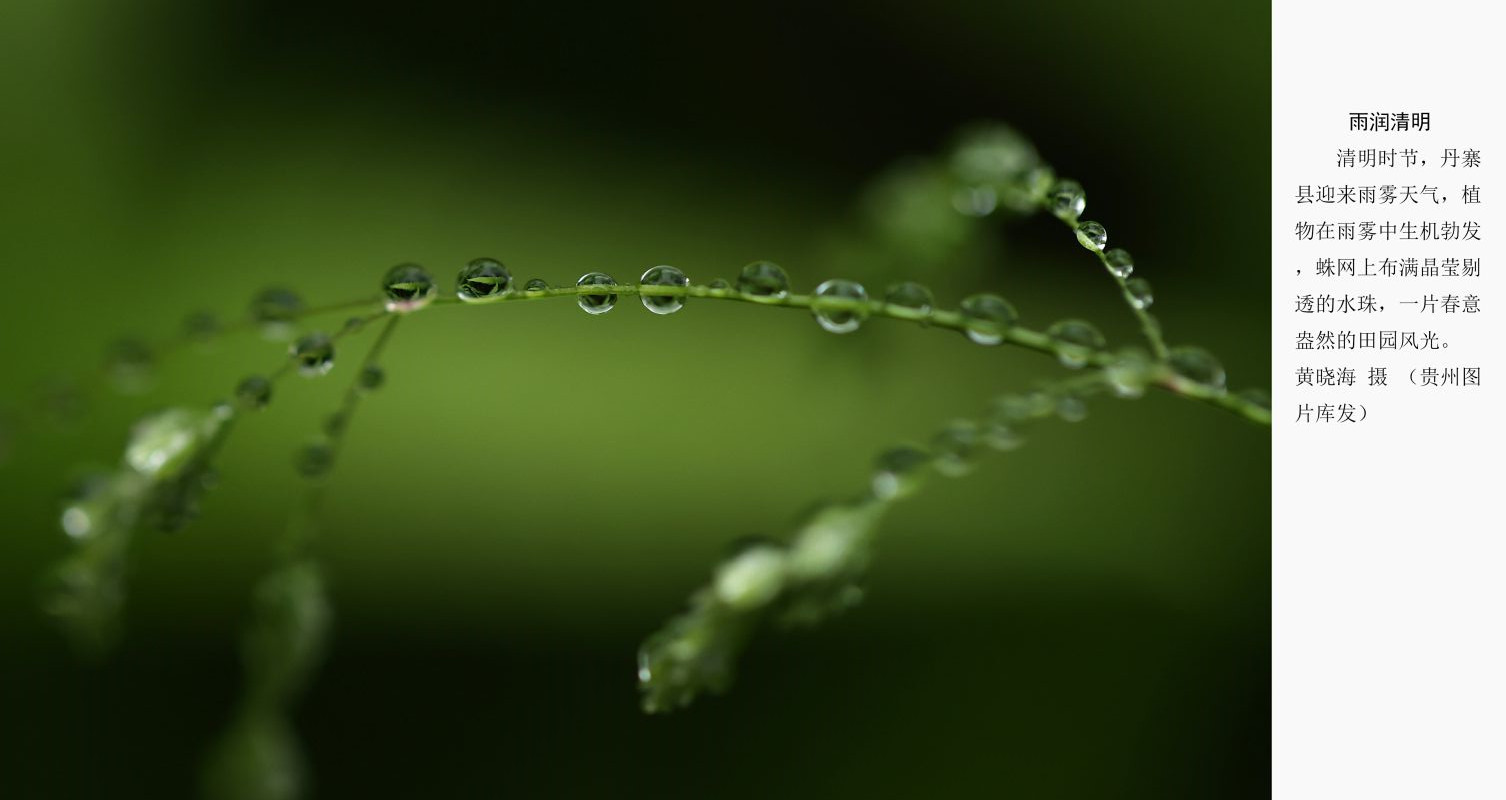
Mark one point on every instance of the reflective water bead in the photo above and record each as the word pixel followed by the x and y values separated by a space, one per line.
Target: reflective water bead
pixel 408 287
pixel 1139 292
pixel 163 443
pixel 1197 365
pixel 274 310
pixel 1071 408
pixel 314 353
pixel 751 578
pixel 975 201
pixel 1092 235
pixel 483 279
pixel 956 448
pixel 663 276
pixel 763 280
pixel 596 303
pixel 1121 264
pixel 719 286
pixel 536 285
pixel 89 505
pixel 1259 398
pixel 992 153
pixel 1129 373
pixel 129 364
pixel 987 318
pixel 371 378
pixel 840 306
pixel 254 392
pixel 910 296
pixel 1067 199
pixel 314 459
pixel 1001 433
pixel 898 472
pixel 1075 342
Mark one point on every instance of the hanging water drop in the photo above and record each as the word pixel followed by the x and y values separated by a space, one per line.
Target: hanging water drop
pixel 314 353
pixel 596 303
pixel 371 378
pixel 164 442
pixel 483 279
pixel 840 306
pixel 536 286
pixel 1119 261
pixel 408 288
pixel 1092 235
pixel 899 471
pixel 1199 366
pixel 987 318
pixel 315 459
pixel 912 297
pixel 1138 290
pixel 274 311
pixel 956 448
pixel 254 392
pixel 1067 199
pixel 1075 342
pixel 763 280
pixel 1129 373
pixel 663 276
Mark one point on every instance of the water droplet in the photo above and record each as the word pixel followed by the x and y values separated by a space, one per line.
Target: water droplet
pixel 315 459
pixel 752 578
pixel 1129 373
pixel 992 154
pixel 408 287
pixel 1075 342
pixel 975 201
pixel 1119 261
pixel 201 327
pixel 274 311
pixel 719 286
pixel 1071 408
pixel 1092 235
pixel 253 393
pixel 956 448
pixel 910 296
pixel 763 280
pixel 162 443
pixel 314 353
pixel 483 279
pixel 353 324
pixel 596 303
pixel 1197 365
pixel 371 378
pixel 1067 199
pixel 840 306
pixel 1002 434
pixel 129 364
pixel 1139 292
pixel 987 318
pixel 536 285
pixel 1259 398
pixel 1014 409
pixel 663 276
pixel 89 505
pixel 899 471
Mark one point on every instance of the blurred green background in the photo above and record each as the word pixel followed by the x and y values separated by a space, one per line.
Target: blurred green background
pixel 1085 617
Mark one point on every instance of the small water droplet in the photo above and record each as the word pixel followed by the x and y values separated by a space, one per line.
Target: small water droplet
pixel 1071 408
pixel 1259 398
pixel 1002 434
pixel 254 392
pixel 899 471
pixel 536 285
pixel 719 286
pixel 408 287
pixel 1092 235
pixel 1067 199
pixel 130 364
pixel 162 443
pixel 987 318
pixel 992 154
pixel 371 378
pixel 274 311
pixel 763 280
pixel 201 327
pixel 956 448
pixel 315 459
pixel 1075 342
pixel 752 578
pixel 314 354
pixel 596 303
pixel 663 276
pixel 910 296
pixel 1199 366
pixel 1140 295
pixel 483 279
pixel 1014 409
pixel 1129 373
pixel 975 201
pixel 840 306
pixel 1119 261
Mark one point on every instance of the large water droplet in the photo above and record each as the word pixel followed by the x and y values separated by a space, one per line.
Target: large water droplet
pixel 763 280
pixel 163 443
pixel 596 303
pixel 1119 261
pixel 1199 366
pixel 987 318
pixel 663 276
pixel 899 471
pixel 274 311
pixel 254 392
pixel 1075 342
pixel 752 578
pixel 912 297
pixel 1140 295
pixel 840 306
pixel 408 287
pixel 536 286
pixel 1092 235
pixel 314 353
pixel 975 201
pixel 483 279
pixel 1129 373
pixel 1067 199
pixel 956 448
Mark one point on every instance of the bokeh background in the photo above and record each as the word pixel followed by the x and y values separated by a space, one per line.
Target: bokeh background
pixel 1084 617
